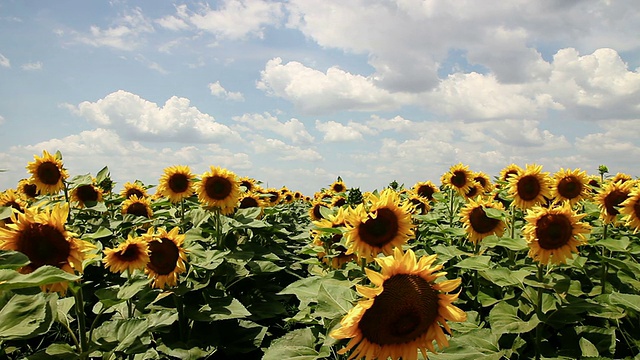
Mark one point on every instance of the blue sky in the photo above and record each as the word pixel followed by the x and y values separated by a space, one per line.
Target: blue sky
pixel 295 93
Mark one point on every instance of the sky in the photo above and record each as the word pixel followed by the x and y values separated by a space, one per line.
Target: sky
pixel 298 93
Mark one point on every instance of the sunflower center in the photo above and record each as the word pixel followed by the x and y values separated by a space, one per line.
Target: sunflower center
pixel 138 209
pixel 217 187
pixel 248 202
pixel 569 187
pixel 179 183
pixel 381 230
pixel 528 187
pixel 480 222
pixel 614 199
pixel 163 256
pixel 508 174
pixel 44 245
pixel 49 173
pixel 338 188
pixel 135 192
pixel 31 190
pixel 553 231
pixel 130 253
pixel 473 191
pixel 87 193
pixel 425 191
pixel 404 311
pixel 419 205
pixel 459 178
pixel 636 209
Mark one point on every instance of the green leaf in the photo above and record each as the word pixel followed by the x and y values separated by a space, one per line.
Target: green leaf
pixel 26 316
pixel 504 277
pixel 517 244
pixel 480 262
pixel 218 309
pixel 494 213
pixel 126 334
pixel 65 351
pixel 588 349
pixel 611 244
pixel 261 266
pixel 11 279
pixel 162 318
pixel 193 353
pixel 628 301
pixel 504 320
pixel 100 233
pixel 102 174
pixel 295 345
pixel 478 344
pixel 12 259
pixel 5 212
pixel 334 300
pixel 132 287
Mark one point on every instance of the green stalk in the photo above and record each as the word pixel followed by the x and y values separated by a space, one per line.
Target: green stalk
pixel 84 345
pixel 512 233
pixel 182 321
pixel 218 223
pixel 603 277
pixel 539 312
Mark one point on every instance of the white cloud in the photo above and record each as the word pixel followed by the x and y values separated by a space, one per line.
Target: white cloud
pixel 125 34
pixel 150 64
pixel 218 91
pixel 293 129
pixel 4 62
pixel 279 150
pixel 336 132
pixel 1 119
pixel 136 118
pixel 32 66
pixel 313 91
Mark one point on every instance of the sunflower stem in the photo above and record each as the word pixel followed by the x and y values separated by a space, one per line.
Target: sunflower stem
pixel 539 311
pixel 81 321
pixel 603 277
pixel 66 199
pixel 181 319
pixel 129 301
pixel 218 222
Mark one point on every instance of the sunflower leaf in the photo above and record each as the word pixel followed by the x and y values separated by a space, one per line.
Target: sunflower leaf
pixel 12 260
pixel 334 300
pixel 5 212
pixel 504 320
pixel 296 345
pixel 26 316
pixel 479 262
pixel 10 279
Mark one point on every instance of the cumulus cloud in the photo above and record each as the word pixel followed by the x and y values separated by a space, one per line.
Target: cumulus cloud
pixel 4 62
pixel 280 150
pixel 136 118
pixel 336 132
pixel 293 129
pixel 218 90
pixel 1 119
pixel 125 34
pixel 32 66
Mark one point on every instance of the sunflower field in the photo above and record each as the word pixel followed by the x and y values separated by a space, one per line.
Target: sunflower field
pixel 524 264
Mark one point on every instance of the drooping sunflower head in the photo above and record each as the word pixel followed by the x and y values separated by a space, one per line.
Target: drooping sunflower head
pixel 630 208
pixel 384 224
pixel 273 196
pixel 10 198
pixel 531 187
pixel 28 189
pixel 137 206
pixel 508 171
pixel 425 189
pixel 219 188
pixel 405 311
pixel 569 185
pixel 133 188
pixel 338 201
pixel 130 255
pixel 484 181
pixel 314 210
pixel 247 184
pixel 47 173
pixel 474 191
pixel 338 186
pixel 167 258
pixel 458 178
pixel 41 235
pixel 419 204
pixel 176 183
pixel 476 222
pixel 86 195
pixel 553 234
pixel 251 200
pixel 610 197
pixel 621 177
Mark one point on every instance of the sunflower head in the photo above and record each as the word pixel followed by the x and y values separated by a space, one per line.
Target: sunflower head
pixel 133 188
pixel 458 178
pixel 251 200
pixel 474 191
pixel 610 197
pixel 569 185
pixel 28 189
pixel 509 171
pixel 247 184
pixel 419 204
pixel 86 194
pixel 137 206
pixel 553 234
pixel 425 189
pixel 338 186
pixel 484 181
pixel 621 177
pixel 314 210
pixel 10 198
pixel 176 183
pixel 219 188
pixel 476 222
pixel 167 258
pixel 531 187
pixel 131 255
pixel 47 173
pixel 630 208
pixel 405 311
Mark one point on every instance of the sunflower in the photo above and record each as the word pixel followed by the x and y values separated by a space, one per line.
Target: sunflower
pixel 630 208
pixel 403 313
pixel 47 173
pixel 130 255
pixel 176 183
pixel 133 188
pixel 570 185
pixel 553 234
pixel 338 201
pixel 137 206
pixel 458 178
pixel 166 256
pixel 612 195
pixel 219 188
pixel 425 189
pixel 530 187
pixel 484 181
pixel 251 200
pixel 10 198
pixel 509 171
pixel 287 197
pixel 272 195
pixel 474 190
pixel 41 235
pixel 247 184
pixel 331 241
pixel 314 210
pixel 338 186
pixel 86 195
pixel 28 189
pixel 621 177
pixel 419 204
pixel 380 228
pixel 476 222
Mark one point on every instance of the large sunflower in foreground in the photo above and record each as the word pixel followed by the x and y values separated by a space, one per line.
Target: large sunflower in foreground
pixel 531 187
pixel 41 235
pixel 47 173
pixel 133 188
pixel 610 197
pixel 176 183
pixel 379 227
pixel 553 234
pixel 166 256
pixel 137 206
pixel 425 189
pixel 219 188
pixel 476 222
pixel 570 185
pixel 630 208
pixel 133 254
pixel 405 311
pixel 86 194
pixel 458 178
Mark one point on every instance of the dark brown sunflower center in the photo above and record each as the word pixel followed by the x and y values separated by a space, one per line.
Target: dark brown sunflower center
pixel 248 202
pixel 480 222
pixel 480 180
pixel 247 185
pixel 636 209
pixel 473 191
pixel 49 173
pixel 569 187
pixel 613 200
pixel 31 190
pixel 44 245
pixel 138 209
pixel 459 178
pixel 425 191
pixel 528 187
pixel 338 188
pixel 131 253
pixel 86 193
pixel 421 208
pixel 135 192
pixel 316 211
pixel 381 230
pixel 179 183
pixel 339 202
pixel 274 196
pixel 163 256
pixel 553 231
pixel 217 187
pixel 405 310
pixel 508 174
